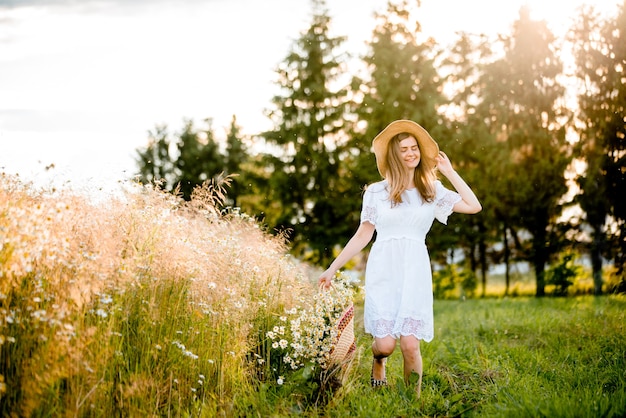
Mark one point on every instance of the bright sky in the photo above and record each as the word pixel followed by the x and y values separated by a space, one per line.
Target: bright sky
pixel 82 81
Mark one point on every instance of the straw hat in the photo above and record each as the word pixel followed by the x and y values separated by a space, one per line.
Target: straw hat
pixel 428 147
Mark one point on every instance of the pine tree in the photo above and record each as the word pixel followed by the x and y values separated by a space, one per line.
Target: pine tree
pixel 198 159
pixel 522 104
pixel 307 141
pixel 182 163
pixel 600 49
pixel 473 151
pixel 236 157
pixel 155 165
pixel 402 82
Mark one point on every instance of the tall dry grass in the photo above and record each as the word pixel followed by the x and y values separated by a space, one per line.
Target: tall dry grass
pixel 138 304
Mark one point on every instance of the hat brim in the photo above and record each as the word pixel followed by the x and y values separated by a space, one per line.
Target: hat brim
pixel 428 147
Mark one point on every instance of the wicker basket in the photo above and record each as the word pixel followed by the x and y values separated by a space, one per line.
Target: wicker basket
pixel 345 347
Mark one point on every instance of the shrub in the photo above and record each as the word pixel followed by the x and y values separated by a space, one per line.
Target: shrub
pixel 451 281
pixel 563 273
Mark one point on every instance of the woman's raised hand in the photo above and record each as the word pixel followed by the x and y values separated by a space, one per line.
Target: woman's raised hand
pixel 443 164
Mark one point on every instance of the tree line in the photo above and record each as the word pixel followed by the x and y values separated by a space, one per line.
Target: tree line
pixel 541 139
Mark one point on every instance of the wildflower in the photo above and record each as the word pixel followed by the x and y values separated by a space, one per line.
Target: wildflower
pixel 312 331
pixel 39 315
pixel 280 380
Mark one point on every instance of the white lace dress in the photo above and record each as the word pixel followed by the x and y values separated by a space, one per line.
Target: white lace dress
pixel 398 277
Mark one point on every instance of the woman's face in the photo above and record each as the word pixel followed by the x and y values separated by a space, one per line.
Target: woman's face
pixel 409 152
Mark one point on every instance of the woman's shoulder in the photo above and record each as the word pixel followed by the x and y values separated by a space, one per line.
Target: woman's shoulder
pixel 440 188
pixel 379 186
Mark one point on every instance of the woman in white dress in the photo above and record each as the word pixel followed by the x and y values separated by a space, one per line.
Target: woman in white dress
pixel 401 209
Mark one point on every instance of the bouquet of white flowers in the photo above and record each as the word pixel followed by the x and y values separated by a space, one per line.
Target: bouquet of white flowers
pixel 321 330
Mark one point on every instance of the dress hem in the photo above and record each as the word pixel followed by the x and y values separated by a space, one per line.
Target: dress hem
pixel 425 338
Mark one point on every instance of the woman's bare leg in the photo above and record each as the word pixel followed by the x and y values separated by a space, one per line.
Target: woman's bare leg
pixel 412 356
pixel 381 349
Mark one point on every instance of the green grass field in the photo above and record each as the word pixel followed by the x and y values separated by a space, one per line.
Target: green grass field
pixel 151 306
pixel 520 357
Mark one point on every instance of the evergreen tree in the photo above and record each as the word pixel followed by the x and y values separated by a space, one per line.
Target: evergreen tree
pixel 198 159
pixel 473 150
pixel 307 142
pixel 154 161
pixel 600 50
pixel 236 156
pixel 182 163
pixel 522 103
pixel 402 83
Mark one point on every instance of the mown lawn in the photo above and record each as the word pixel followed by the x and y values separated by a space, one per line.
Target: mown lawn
pixel 517 357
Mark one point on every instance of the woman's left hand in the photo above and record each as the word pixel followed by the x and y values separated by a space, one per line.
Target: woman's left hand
pixel 443 164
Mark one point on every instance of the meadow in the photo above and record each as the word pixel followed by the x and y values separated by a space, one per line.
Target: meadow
pixel 147 305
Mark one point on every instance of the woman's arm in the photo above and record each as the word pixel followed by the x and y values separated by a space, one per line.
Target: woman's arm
pixel 469 202
pixel 359 240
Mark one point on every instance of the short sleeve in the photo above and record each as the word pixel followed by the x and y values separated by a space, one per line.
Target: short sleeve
pixel 445 199
pixel 369 211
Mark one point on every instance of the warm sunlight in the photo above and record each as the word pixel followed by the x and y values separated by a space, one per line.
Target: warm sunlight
pixel 496 17
pixel 82 84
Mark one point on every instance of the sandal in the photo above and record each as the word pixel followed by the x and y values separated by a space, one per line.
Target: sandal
pixel 376 383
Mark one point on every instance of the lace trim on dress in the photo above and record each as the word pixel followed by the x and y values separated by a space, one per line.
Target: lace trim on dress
pixel 445 205
pixel 369 214
pixel 447 202
pixel 409 326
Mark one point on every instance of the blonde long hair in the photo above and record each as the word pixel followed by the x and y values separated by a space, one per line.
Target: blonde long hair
pixel 397 176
